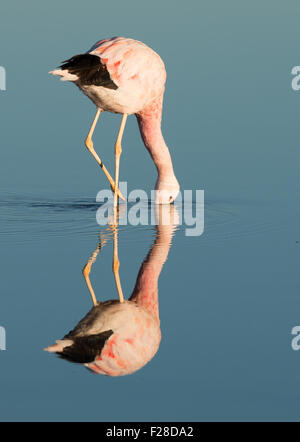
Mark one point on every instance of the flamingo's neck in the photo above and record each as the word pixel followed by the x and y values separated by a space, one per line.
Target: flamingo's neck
pixel 149 121
pixel 145 292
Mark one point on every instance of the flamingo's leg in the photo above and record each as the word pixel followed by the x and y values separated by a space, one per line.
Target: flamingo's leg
pixel 90 146
pixel 118 151
pixel 116 265
pixel 87 269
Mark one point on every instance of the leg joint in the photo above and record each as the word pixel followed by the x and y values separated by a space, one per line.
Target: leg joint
pixel 89 143
pixel 118 148
pixel 116 265
pixel 86 270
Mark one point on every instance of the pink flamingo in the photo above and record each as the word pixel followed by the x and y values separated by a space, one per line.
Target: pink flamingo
pixel 124 76
pixel 119 337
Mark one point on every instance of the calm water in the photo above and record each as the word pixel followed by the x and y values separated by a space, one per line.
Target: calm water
pixel 229 298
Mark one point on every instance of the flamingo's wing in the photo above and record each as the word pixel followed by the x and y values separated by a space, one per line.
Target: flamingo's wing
pixel 84 349
pixel 89 69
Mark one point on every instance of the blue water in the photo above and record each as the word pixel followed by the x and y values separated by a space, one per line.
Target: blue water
pixel 229 298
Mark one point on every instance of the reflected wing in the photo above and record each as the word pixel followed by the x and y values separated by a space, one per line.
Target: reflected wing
pixel 85 349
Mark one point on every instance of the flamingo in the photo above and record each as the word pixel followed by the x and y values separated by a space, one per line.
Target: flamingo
pixel 125 76
pixel 119 337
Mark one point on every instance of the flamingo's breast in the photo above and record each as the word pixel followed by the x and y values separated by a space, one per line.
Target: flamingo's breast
pixel 135 341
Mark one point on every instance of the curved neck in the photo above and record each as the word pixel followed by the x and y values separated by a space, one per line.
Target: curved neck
pixel 149 121
pixel 145 292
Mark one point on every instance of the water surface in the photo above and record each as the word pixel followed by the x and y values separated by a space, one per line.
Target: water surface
pixel 228 298
pixel 228 301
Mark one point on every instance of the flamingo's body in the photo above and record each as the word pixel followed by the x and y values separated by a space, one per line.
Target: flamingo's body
pixel 137 75
pixel 117 338
pixel 125 76
pixel 113 339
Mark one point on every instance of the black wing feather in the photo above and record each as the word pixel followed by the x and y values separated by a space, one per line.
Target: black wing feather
pixel 85 348
pixel 90 70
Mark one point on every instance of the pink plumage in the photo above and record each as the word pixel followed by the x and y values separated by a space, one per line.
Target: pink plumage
pixel 125 76
pixel 130 338
pixel 118 338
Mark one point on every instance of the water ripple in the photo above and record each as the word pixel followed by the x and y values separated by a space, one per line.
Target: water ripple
pixel 29 218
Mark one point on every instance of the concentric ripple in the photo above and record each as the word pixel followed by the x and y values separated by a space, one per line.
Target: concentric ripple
pixel 24 218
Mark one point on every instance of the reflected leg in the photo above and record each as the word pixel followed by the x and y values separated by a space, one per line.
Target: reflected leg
pixel 116 265
pixel 87 269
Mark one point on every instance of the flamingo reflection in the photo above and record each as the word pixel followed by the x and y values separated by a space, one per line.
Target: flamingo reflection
pixel 118 337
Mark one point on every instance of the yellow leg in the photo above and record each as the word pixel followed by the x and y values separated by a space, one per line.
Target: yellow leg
pixel 87 269
pixel 90 146
pixel 118 151
pixel 116 265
